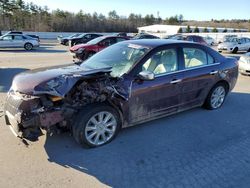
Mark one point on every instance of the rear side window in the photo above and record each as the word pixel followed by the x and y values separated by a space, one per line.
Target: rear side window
pixel 109 41
pixel 120 39
pixel 195 57
pixel 18 37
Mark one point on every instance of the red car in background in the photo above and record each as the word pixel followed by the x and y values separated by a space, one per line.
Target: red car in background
pixel 84 51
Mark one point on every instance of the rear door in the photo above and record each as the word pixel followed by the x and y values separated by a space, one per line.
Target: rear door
pixel 18 41
pixel 200 74
pixel 248 44
pixel 242 44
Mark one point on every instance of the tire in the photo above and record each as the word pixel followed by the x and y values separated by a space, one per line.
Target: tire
pixel 235 50
pixel 28 46
pixel 90 134
pixel 248 50
pixel 213 96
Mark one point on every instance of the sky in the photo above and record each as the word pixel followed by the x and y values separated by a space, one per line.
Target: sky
pixel 190 9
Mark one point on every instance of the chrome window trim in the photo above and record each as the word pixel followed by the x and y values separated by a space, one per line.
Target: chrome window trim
pixel 184 70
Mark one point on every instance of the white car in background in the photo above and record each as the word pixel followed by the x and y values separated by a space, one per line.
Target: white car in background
pixel 244 64
pixel 18 41
pixel 210 41
pixel 234 45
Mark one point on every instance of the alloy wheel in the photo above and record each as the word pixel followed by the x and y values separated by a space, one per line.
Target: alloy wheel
pixel 218 97
pixel 100 128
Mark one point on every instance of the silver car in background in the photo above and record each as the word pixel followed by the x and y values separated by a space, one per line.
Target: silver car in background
pixel 234 45
pixel 18 41
pixel 210 41
pixel 244 64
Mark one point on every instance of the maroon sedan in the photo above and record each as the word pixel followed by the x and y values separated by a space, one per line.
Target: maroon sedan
pixel 128 83
pixel 84 51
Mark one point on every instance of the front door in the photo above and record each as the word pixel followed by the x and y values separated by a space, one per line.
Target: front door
pixel 6 41
pixel 160 96
pixel 200 74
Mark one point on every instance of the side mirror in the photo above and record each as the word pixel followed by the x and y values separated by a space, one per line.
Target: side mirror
pixel 146 75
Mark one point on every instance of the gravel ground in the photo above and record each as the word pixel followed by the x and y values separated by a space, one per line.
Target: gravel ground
pixel 196 148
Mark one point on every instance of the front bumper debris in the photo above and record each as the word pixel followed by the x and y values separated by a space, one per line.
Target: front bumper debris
pixel 25 117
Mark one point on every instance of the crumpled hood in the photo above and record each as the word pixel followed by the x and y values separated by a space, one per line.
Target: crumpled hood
pixel 76 47
pixel 56 80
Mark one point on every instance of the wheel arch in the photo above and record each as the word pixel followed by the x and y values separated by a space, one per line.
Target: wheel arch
pixel 117 108
pixel 224 82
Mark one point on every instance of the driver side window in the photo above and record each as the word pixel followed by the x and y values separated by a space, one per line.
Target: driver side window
pixel 8 37
pixel 162 62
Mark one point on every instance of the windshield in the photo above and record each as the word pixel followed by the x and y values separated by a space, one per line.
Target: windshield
pixel 120 57
pixel 75 35
pixel 96 40
pixel 234 40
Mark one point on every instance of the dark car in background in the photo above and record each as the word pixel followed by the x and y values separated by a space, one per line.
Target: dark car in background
pixel 144 36
pixel 65 40
pixel 128 83
pixel 84 51
pixel 83 38
pixel 191 38
pixel 195 38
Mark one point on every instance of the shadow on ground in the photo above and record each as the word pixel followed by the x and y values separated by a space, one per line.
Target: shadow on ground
pixel 183 149
pixel 6 77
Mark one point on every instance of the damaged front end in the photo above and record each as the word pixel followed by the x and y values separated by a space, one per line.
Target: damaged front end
pixel 53 103
pixel 27 114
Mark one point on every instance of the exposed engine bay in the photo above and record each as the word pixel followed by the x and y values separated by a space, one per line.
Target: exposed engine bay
pixel 28 114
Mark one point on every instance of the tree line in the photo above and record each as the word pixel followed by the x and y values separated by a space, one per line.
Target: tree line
pixel 19 15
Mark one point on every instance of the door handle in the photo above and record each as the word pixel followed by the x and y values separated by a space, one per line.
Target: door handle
pixel 175 81
pixel 213 72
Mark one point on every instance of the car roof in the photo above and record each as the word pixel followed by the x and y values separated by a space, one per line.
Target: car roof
pixel 111 36
pixel 152 43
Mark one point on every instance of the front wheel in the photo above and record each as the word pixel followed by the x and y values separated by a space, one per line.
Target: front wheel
pixel 96 125
pixel 216 97
pixel 28 46
pixel 235 50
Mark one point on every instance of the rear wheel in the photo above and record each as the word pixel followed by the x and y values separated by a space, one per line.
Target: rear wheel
pixel 28 46
pixel 216 97
pixel 235 50
pixel 96 125
pixel 248 50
